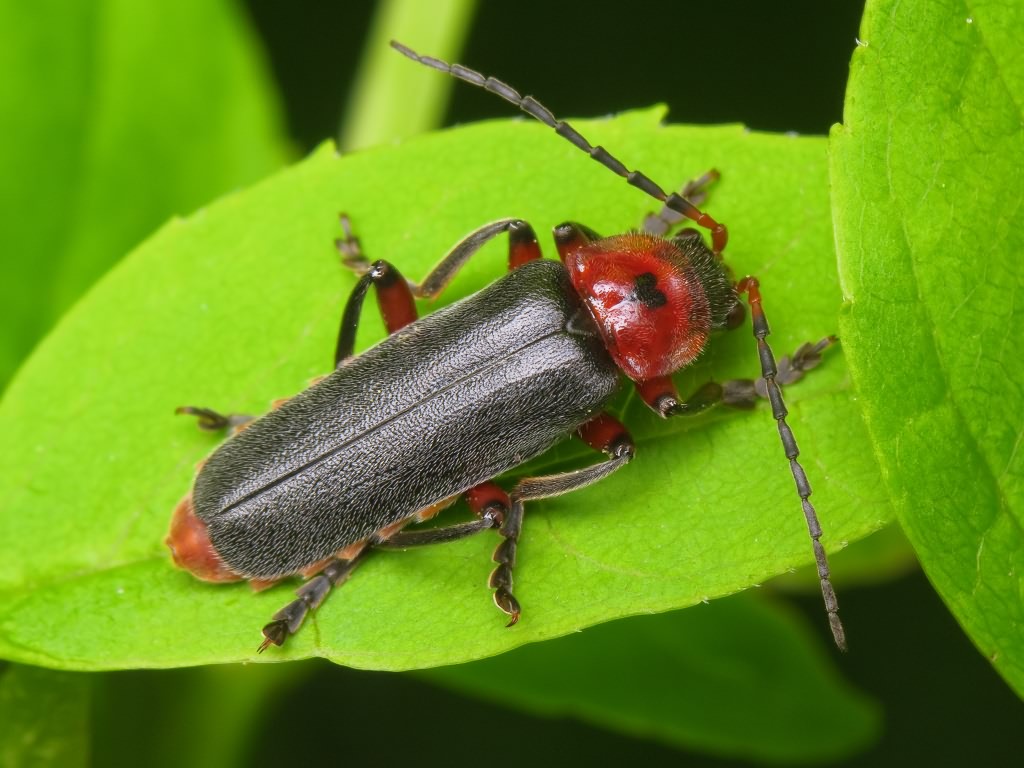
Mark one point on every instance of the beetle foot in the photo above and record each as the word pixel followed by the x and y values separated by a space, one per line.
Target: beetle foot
pixel 287 621
pixel 508 604
pixel 275 632
pixel 501 581
pixel 505 556
pixel 350 249
pixel 310 595
pixel 209 420
pixel 212 421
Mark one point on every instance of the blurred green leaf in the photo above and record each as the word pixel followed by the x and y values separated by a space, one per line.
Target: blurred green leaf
pixel 115 115
pixel 927 179
pixel 240 303
pixel 205 717
pixel 739 677
pixel 391 100
pixel 45 717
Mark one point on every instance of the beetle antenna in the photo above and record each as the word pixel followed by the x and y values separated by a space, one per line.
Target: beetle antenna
pixel 532 107
pixel 769 371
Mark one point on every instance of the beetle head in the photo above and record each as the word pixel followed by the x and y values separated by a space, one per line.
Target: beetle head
pixel 655 300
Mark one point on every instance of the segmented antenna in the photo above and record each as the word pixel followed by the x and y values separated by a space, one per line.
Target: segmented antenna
pixel 769 371
pixel 532 107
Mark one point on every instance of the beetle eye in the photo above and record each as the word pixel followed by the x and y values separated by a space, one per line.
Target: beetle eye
pixel 645 291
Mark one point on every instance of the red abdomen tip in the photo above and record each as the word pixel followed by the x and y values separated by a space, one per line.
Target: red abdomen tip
pixel 191 547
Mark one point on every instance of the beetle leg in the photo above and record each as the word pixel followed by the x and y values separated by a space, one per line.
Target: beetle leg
pixel 661 395
pixel 406 539
pixel 522 248
pixel 212 421
pixel 695 191
pixel 604 433
pixel 286 622
pixel 393 297
pixel 494 509
pixel 395 293
pixel 570 236
pixel 505 556
pixel 334 571
pixel 791 368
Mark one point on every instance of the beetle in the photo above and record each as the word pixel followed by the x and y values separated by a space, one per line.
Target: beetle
pixel 449 402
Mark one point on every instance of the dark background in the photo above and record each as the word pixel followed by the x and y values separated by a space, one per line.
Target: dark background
pixel 771 66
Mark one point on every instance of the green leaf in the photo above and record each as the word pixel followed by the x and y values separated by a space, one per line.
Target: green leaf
pixel 240 304
pixel 45 718
pixel 103 141
pixel 927 177
pixel 738 677
pixel 883 556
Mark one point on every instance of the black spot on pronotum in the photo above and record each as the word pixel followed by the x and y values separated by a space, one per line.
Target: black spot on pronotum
pixel 646 292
